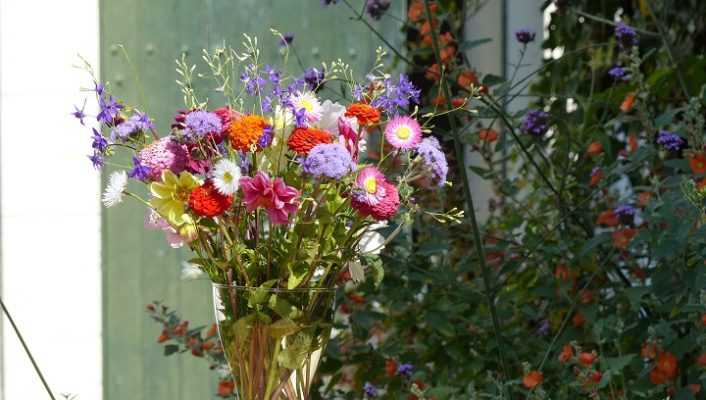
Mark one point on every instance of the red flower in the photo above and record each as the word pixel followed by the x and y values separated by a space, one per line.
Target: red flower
pixel 594 149
pixel 384 209
pixel 532 379
pixel 567 353
pixel 607 218
pixel 587 359
pixel 206 201
pixel 596 177
pixel 390 368
pixel 226 388
pixel 701 360
pixel 622 238
pixel 163 337
pixel 302 140
pixel 697 163
pixel 467 78
pixel 433 73
pixel 364 113
pixel 488 135
pixel 665 369
pixel 627 104
pixel 578 320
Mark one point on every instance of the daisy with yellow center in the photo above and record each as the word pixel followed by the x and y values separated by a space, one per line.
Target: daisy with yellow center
pixel 403 132
pixel 309 103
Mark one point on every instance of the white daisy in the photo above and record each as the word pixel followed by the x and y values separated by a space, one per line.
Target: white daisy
pixel 308 101
pixel 226 177
pixel 113 193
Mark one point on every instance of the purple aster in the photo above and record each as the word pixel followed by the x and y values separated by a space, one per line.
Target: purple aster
pixel 313 77
pixel 79 114
pixel 405 370
pixel 625 35
pixel 396 95
pixel 618 73
pixel 535 123
pixel 430 150
pixel 96 160
pixel 108 110
pixel 286 39
pixel 525 35
pixel 670 141
pixel 376 8
pixel 99 142
pixel 370 390
pixel 139 171
pixel 200 123
pixel 329 160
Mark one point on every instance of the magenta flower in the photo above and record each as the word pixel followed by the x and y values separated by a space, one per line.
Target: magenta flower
pixel 278 199
pixel 403 132
pixel 348 136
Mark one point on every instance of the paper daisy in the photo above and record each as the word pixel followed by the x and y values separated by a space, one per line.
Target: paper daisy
pixel 403 132
pixel 311 105
pixel 369 188
pixel 226 177
pixel 113 193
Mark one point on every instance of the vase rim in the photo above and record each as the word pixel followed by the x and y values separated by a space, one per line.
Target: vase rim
pixel 274 289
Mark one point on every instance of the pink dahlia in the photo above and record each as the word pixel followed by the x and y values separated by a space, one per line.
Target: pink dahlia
pixel 403 132
pixel 162 155
pixel 278 199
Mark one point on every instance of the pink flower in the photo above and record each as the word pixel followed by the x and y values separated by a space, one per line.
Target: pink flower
pixel 164 154
pixel 154 221
pixel 374 196
pixel 403 132
pixel 348 136
pixel 278 199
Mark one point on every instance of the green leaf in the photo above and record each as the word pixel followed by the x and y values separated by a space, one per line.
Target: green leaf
pixel 296 275
pixel 492 80
pixel 170 349
pixel 469 44
pixel 593 243
pixel 283 327
pixel 283 308
pixel 616 364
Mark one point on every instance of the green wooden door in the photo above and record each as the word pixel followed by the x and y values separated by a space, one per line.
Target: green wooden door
pixel 138 266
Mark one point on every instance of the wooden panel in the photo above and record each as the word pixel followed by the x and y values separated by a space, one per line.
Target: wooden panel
pixel 138 265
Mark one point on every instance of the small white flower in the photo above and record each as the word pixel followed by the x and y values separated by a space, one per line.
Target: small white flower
pixel 311 105
pixel 226 177
pixel 330 112
pixel 113 193
pixel 190 272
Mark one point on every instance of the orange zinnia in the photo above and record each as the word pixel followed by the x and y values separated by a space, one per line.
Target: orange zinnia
pixel 697 162
pixel 532 379
pixel 627 104
pixel 302 140
pixel 245 131
pixel 594 149
pixel 364 113
pixel 488 135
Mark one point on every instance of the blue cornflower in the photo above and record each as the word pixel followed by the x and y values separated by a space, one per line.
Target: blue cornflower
pixel 405 370
pixel 96 160
pixel 200 123
pixel 108 110
pixel 670 141
pixel 525 35
pixel 79 114
pixel 313 77
pixel 138 170
pixel 535 123
pixel 618 73
pixel 286 39
pixel 370 390
pixel 430 151
pixel 397 95
pixel 328 160
pixel 625 35
pixel 99 142
pixel 376 8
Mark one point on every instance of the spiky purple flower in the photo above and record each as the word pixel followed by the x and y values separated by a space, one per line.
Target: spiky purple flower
pixel 328 160
pixel 405 370
pixel 670 140
pixel 96 160
pixel 99 142
pixel 79 113
pixel 535 123
pixel 625 35
pixel 313 77
pixel 108 109
pixel 525 35
pixel 138 170
pixel 430 150
pixel 286 39
pixel 618 73
pixel 200 123
pixel 396 95
pixel 266 137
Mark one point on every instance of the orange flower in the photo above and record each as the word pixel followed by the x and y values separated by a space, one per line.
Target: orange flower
pixel 226 388
pixel 596 177
pixel 607 218
pixel 587 359
pixel 627 104
pixel 245 131
pixel 562 272
pixel 488 135
pixel 632 143
pixel 697 162
pixel 643 199
pixel 390 368
pixel 657 377
pixel 447 54
pixel 594 149
pixel 439 101
pixel 622 237
pixel 649 350
pixel 364 113
pixel 578 320
pixel 302 140
pixel 163 337
pixel 665 369
pixel 433 73
pixel 425 29
pixel 467 78
pixel 586 296
pixel 458 102
pixel 532 379
pixel 567 353
pixel 701 360
pixel 701 184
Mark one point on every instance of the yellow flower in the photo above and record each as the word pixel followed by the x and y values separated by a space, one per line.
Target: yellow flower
pixel 171 196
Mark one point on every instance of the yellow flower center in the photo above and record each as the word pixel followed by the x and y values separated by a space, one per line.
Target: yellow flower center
pixel 306 104
pixel 403 132
pixel 370 185
pixel 227 177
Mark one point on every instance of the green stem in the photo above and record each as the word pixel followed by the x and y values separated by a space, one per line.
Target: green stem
pixel 490 298
pixel 273 369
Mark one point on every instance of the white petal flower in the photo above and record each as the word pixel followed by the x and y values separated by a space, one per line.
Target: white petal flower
pixel 226 177
pixel 113 193
pixel 311 105
pixel 372 242
pixel 330 112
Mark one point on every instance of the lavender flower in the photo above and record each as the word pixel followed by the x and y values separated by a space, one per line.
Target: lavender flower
pixel 370 390
pixel 273 76
pixel 139 171
pixel 535 123
pixel 252 79
pixel 618 73
pixel 329 160
pixel 266 104
pixel 430 150
pixel 266 137
pixel 99 143
pixel 670 141
pixel 358 92
pixel 313 77
pixel 142 121
pixel 96 160
pixel 99 88
pixel 397 95
pixel 525 36
pixel 108 110
pixel 138 122
pixel 300 118
pixel 286 39
pixel 200 123
pixel 79 114
pixel 376 8
pixel 625 210
pixel 405 370
pixel 625 35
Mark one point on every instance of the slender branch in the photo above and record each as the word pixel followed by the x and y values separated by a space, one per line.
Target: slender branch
pixel 29 354
pixel 485 271
pixel 609 22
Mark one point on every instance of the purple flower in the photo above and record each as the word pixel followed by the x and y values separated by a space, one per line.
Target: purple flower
pixel 266 137
pixel 123 131
pixel 397 95
pixel 142 121
pixel 543 329
pixel 370 390
pixel 108 110
pixel 139 171
pixel 670 141
pixel 405 370
pixel 200 123
pixel 535 123
pixel 300 118
pixel 286 39
pixel 525 35
pixel 430 150
pixel 313 77
pixel 99 142
pixel 79 114
pixel 329 160
pixel 254 83
pixel 358 92
pixel 625 210
pixel 618 73
pixel 376 8
pixel 266 104
pixel 625 35
pixel 273 75
pixel 99 88
pixel 96 160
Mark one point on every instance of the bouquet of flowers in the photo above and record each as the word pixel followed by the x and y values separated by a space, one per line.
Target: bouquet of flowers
pixel 278 194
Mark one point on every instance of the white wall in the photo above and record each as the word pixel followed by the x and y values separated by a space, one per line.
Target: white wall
pixel 50 214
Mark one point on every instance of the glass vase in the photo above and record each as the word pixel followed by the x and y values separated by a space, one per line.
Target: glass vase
pixel 273 338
